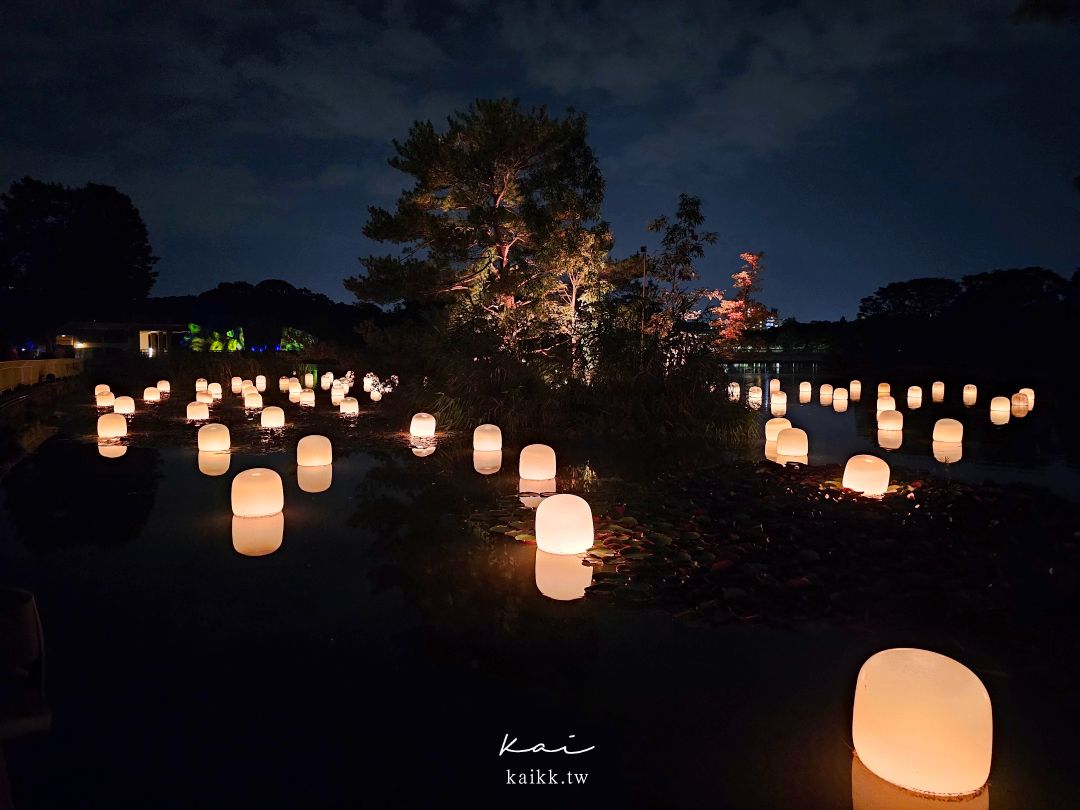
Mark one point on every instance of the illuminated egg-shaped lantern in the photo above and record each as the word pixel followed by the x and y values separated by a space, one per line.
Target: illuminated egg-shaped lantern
pixel 773 428
pixel 923 721
pixel 971 394
pixel 774 385
pixel 806 387
pixel 213 463
pixel 792 443
pixel 563 577
pixel 307 398
pixel 840 405
pixel 536 463
pixel 257 492
pixel 253 400
pixel 753 397
pixel 151 394
pixel 109 450
pixel 336 395
pixel 309 380
pixel 368 384
pixel 294 386
pixel 245 384
pixel 214 438
pixel 422 426
pixel 866 474
pixel 937 391
pixel 855 387
pixel 124 405
pixel 733 391
pixel 294 397
pixel 886 403
pixel 486 438
pixel 948 452
pixel 260 383
pixel 111 426
pixel 948 430
pixel 914 392
pixel 487 462
pixel 376 395
pixel 999 405
pixel 840 393
pixel 349 406
pixel 890 439
pixel 884 389
pixel 106 400
pixel 564 525
pixel 315 479
pixel 327 380
pixel 283 384
pixel 1030 394
pixel 890 420
pixel 914 403
pixel 826 391
pixel 248 389
pixel 778 403
pixel 164 386
pixel 101 389
pixel 205 397
pixel 215 390
pixel 197 411
pixel 272 417
pixel 258 536
pixel 314 451
pixel 236 383
pixel 1019 405
pixel 200 384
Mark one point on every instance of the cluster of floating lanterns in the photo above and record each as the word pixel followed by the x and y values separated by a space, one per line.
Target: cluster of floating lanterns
pixel 112 426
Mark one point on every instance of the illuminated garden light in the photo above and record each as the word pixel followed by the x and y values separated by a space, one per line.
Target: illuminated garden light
pixel 914 392
pixel 294 386
pixel 150 394
pixel 792 444
pixel 349 406
pixel 164 386
pixel 307 398
pixel 564 525
pixel 253 400
pixel 937 391
pixel 124 405
pixel 886 403
pixel 101 389
pixel 774 385
pixel 734 391
pixel 215 390
pixel 204 397
pixel 855 387
pixel 200 384
pixel 422 426
pixel 257 492
pixel 376 395
pixel 1030 394
pixel 309 380
pixel 890 420
pixel 773 428
pixel 272 417
pixel 868 475
pixel 314 451
pixel 105 400
pixel 197 411
pixel 948 430
pixel 1018 405
pixel 536 463
pixel 999 405
pixel 283 384
pixel 805 387
pixel 214 438
pixel 884 390
pixel 111 426
pixel 778 403
pixel 971 394
pixel 487 438
pixel 260 383
pixel 236 383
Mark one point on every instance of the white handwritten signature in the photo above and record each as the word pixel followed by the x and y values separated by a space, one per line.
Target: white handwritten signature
pixel 539 748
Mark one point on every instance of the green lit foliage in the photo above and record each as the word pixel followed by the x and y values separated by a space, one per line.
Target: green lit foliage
pixel 295 340
pixel 199 340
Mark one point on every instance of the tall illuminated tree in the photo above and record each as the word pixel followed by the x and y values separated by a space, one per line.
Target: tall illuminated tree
pixel 734 315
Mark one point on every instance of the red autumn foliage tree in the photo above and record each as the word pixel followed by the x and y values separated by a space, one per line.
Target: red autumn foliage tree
pixel 733 316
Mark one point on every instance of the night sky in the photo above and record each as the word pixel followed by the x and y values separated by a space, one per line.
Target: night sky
pixel 855 143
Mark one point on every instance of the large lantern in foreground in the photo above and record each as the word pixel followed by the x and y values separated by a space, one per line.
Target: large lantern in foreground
pixel 792 442
pixel 349 406
pixel 106 400
pixel 923 721
pixel 948 430
pixel 562 577
pixel 1030 394
pixel 214 438
pixel 971 393
pixel 773 428
pixel 868 475
pixel 272 417
pixel 536 463
pixel 564 525
pixel 151 394
pixel 111 426
pixel 886 403
pixel 487 438
pixel 314 451
pixel 890 420
pixel 257 492
pixel 422 426
pixel 197 411
pixel 124 405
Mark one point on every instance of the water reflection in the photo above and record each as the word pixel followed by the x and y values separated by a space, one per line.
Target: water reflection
pixel 258 536
pixel 563 577
pixel 423 452
pixel 110 449
pixel 315 479
pixel 890 439
pixel 871 792
pixel 487 462
pixel 770 451
pixel 999 417
pixel 840 405
pixel 948 452
pixel 532 492
pixel 213 463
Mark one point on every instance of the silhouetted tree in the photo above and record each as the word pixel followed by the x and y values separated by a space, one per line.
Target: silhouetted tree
pixel 919 298
pixel 682 244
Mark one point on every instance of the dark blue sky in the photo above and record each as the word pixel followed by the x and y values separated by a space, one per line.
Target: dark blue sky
pixel 855 143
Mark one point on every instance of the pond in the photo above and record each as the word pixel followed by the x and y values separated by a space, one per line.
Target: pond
pixel 381 653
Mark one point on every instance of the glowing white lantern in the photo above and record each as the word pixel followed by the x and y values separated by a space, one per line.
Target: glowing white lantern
pixel 855 387
pixel 246 383
pixel 205 397
pixel 214 438
pixel 283 384
pixel 487 462
pixel 971 393
pixel 248 388
pixel 948 452
pixel 111 426
pixel 327 381
pixel 253 400
pixel 754 391
pixel 1019 406
pixel 884 389
pixel 101 389
pixel 151 395
pixel 923 721
pixel 314 451
pixel 294 386
pixel 774 385
pixel 164 386
pixel 826 391
pixel 805 387
pixel 563 577
pixel 564 525
pixel 770 451
pixel 839 405
pixel 948 430
pixel 368 383
pixel 257 492
pixel 422 426
pixel 866 474
pixel 914 403
pixel 124 405
pixel 309 380
pixel 733 391
pixel 336 397
pixel 937 391
pixel 236 384
pixel 213 463
pixel 349 406
pixel 890 420
pixel 840 393
pixel 197 411
pixel 773 428
pixel 307 398
pixel 315 479
pixel 792 442
pixel 1030 394
pixel 294 397
pixel 778 404
pixel 106 400
pixel 890 439
pixel 886 403
pixel 200 384
pixel 260 383
pixel 914 392
pixel 109 450
pixel 376 395
pixel 487 437
pixel 999 405
pixel 258 536
pixel 536 463
pixel 215 390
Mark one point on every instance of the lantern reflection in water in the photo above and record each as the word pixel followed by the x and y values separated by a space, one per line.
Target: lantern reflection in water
pixel 804 397
pixel 770 451
pixel 971 394
pixel 314 479
pixel 840 405
pixel 487 462
pixel 948 452
pixel 871 792
pixel 890 439
pixel 214 463
pixel 563 577
pixel 999 418
pixel 423 452
pixel 532 493
pixel 107 449
pixel 258 536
